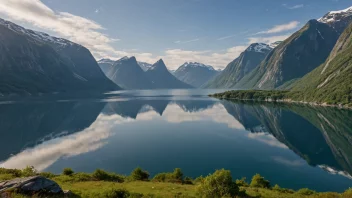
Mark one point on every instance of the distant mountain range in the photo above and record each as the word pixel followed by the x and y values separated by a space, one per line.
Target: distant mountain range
pixel 195 74
pixel 130 74
pixel 33 62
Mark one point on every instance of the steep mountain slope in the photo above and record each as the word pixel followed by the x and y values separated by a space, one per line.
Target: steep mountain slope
pixel 195 74
pixel 296 56
pixel 339 20
pixel 106 65
pixel 34 62
pixel 241 66
pixel 163 79
pixel 332 81
pixel 129 75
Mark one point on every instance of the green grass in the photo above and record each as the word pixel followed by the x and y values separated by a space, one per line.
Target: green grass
pixel 85 185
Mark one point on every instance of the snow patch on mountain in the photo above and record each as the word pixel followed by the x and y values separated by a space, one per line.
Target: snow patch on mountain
pixel 145 66
pixel 259 47
pixel 194 65
pixel 106 61
pixel 336 15
pixel 38 36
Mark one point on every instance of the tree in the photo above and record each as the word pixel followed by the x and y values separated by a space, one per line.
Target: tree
pixel 139 175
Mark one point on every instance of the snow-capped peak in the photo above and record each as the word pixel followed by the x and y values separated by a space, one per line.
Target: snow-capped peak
pixel 145 66
pixel 38 36
pixel 106 61
pixel 195 64
pixel 259 47
pixel 336 15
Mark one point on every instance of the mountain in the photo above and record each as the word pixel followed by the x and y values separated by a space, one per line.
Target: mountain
pixel 145 66
pixel 33 62
pixel 127 73
pixel 195 74
pixel 106 65
pixel 332 81
pixel 339 20
pixel 296 56
pixel 161 78
pixel 245 63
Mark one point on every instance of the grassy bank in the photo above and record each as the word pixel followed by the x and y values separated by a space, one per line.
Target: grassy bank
pixel 173 184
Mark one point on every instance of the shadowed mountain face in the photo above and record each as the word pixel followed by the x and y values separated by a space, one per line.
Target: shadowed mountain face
pixel 323 137
pixel 241 66
pixel 161 78
pixel 195 74
pixel 295 57
pixel 26 125
pixel 34 62
pixel 129 75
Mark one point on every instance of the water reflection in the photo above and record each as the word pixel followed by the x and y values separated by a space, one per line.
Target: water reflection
pixel 283 142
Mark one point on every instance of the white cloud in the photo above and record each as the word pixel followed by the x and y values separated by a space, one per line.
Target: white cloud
pixel 268 139
pixel 269 39
pixel 226 37
pixel 189 41
pixel 281 28
pixel 75 28
pixel 293 7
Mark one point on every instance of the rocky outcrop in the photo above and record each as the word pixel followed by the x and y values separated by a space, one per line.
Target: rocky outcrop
pixel 36 185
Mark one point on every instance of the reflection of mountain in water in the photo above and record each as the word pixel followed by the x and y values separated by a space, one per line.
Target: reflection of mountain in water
pixel 321 136
pixel 26 125
pixel 131 108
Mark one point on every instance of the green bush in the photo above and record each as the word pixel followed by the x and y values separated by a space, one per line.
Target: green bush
pixel 14 172
pixel 242 182
pixel 29 171
pixel 188 180
pixel 47 175
pixel 101 175
pixel 67 171
pixel 198 179
pixel 219 184
pixel 139 175
pixel 305 191
pixel 4 177
pixel 259 182
pixel 282 190
pixel 174 177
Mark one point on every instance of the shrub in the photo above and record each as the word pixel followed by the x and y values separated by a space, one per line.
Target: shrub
pixel 4 177
pixel 305 191
pixel 174 177
pixel 101 175
pixel 29 171
pixel 139 175
pixel 282 190
pixel 219 184
pixel 188 180
pixel 67 171
pixel 198 179
pixel 14 172
pixel 242 182
pixel 80 177
pixel 259 182
pixel 47 175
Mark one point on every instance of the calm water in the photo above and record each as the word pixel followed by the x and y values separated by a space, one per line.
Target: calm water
pixel 291 145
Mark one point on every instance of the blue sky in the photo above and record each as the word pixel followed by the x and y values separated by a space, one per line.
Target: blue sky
pixel 210 31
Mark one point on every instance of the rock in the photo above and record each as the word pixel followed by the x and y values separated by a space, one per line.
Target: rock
pixel 30 185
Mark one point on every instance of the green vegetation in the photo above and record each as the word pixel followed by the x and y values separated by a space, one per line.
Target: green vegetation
pixel 219 184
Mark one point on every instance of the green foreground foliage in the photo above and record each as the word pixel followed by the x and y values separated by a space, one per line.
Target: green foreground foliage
pixel 173 184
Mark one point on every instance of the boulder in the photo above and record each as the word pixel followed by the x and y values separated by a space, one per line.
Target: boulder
pixel 30 186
